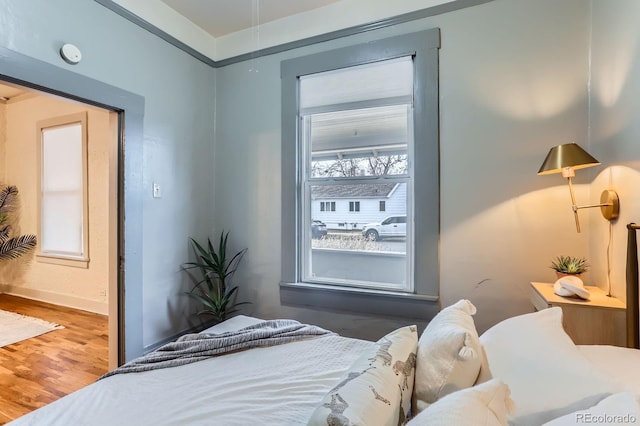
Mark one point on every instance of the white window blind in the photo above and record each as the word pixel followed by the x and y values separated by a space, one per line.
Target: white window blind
pixel 362 83
pixel 63 224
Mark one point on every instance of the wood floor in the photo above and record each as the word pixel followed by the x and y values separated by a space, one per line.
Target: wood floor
pixel 42 369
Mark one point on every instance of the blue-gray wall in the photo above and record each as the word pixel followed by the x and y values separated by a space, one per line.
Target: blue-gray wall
pixel 176 150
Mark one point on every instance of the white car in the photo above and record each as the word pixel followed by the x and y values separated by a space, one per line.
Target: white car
pixel 394 226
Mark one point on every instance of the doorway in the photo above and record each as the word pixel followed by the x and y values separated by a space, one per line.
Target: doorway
pixel 59 280
pixel 126 301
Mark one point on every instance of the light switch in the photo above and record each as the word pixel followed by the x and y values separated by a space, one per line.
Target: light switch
pixel 157 193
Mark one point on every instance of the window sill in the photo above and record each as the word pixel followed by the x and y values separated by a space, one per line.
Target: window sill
pixel 377 302
pixel 63 261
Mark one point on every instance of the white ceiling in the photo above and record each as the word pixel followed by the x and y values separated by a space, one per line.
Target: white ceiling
pixel 221 29
pixel 222 17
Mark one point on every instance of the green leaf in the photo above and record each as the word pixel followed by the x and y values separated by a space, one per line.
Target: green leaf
pixel 12 248
pixel 212 289
pixel 16 247
pixel 8 198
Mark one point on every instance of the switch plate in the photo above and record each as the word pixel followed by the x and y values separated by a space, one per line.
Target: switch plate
pixel 157 193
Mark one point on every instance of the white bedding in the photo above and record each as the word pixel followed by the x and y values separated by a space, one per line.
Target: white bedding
pixel 279 385
pixel 621 364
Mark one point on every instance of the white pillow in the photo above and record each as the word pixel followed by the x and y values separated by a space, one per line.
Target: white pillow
pixel 617 409
pixel 377 388
pixel 487 404
pixel 448 355
pixel 547 374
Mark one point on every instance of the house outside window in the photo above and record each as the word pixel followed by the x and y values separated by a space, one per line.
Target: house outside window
pixel 369 201
pixel 355 120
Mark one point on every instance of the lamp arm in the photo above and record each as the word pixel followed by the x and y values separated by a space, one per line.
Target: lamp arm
pixel 588 206
pixel 574 206
pixel 609 203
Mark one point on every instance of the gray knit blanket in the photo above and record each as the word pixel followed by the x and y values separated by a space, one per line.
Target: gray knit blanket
pixel 197 347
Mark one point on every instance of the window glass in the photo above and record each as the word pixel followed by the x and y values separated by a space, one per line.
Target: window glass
pixel 356 142
pixel 362 142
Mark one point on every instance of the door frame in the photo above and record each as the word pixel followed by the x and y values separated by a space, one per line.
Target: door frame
pixel 127 263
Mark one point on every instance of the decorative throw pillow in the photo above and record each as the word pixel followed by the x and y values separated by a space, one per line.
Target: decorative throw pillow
pixel 487 404
pixel 449 355
pixel 547 374
pixel 376 390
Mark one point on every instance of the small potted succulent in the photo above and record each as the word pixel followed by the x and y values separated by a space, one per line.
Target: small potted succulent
pixel 569 265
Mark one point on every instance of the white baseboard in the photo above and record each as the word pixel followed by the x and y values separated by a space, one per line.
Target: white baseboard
pixel 57 299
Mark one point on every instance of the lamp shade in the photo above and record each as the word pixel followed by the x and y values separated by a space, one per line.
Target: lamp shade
pixel 566 155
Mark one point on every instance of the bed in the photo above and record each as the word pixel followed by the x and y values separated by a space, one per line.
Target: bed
pixel 524 371
pixel 293 383
pixel 277 384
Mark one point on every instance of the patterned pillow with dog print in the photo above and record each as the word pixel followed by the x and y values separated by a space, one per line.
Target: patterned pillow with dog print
pixel 378 386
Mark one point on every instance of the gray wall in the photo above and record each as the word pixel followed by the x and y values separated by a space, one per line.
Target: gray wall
pixel 179 94
pixel 513 82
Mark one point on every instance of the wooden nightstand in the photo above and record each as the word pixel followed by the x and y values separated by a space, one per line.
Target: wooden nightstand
pixel 598 321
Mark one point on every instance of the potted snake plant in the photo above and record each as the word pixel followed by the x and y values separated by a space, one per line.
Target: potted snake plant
pixel 213 287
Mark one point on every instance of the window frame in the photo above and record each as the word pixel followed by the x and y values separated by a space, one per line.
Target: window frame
pixel 423 301
pixel 59 258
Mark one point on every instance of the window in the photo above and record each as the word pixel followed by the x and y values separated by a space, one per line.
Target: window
pixel 362 122
pixel 355 140
pixel 63 233
pixel 328 206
